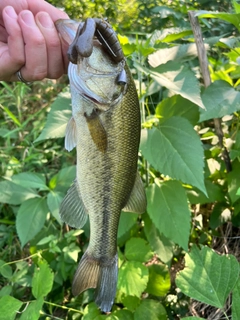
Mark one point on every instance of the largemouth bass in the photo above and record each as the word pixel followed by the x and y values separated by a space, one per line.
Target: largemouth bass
pixel 105 129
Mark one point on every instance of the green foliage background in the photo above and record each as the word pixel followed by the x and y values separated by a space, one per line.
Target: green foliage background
pixel 180 259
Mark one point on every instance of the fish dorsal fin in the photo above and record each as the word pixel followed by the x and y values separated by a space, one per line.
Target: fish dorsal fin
pixel 137 201
pixel 72 210
pixel 71 135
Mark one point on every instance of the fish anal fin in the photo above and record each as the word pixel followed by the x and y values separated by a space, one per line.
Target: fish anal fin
pixel 72 210
pixel 137 201
pixel 71 135
pixel 94 273
pixel 97 131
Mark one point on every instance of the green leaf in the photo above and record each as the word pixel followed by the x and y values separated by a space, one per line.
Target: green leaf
pixel 174 149
pixel 12 193
pixel 5 291
pixel 229 17
pixel 30 180
pixel 54 200
pixel 33 310
pixel 57 118
pixel 220 99
pixel 9 307
pixel 168 209
pixel 235 301
pixel 233 182
pixel 63 180
pixel 127 221
pixel 236 6
pixel 132 278
pixel 31 217
pixel 91 312
pixel 199 279
pixel 138 249
pixel 5 270
pixel 177 106
pixel 214 191
pixel 42 280
pixel 131 302
pixel 159 280
pixel 178 78
pixel 120 315
pixel 150 309
pixel 192 318
pixel 159 243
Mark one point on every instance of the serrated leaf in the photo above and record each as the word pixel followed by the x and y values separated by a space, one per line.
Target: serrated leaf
pixel 30 180
pixel 57 118
pixel 138 249
pixel 132 278
pixel 9 307
pixel 42 280
pixel 150 309
pixel 174 149
pixel 199 279
pixel 12 193
pixel 159 243
pixel 235 301
pixel 169 211
pixel 54 200
pixel 220 99
pixel 159 281
pixel 177 106
pixel 33 310
pixel 31 217
pixel 176 77
pixel 131 302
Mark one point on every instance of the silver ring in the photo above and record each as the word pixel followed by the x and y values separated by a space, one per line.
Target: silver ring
pixel 21 79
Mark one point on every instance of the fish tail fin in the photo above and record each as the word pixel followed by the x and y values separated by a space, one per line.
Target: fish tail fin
pixel 102 275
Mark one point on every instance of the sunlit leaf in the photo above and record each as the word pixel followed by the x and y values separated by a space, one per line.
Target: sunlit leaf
pixel 229 17
pixel 33 310
pixel 132 278
pixel 199 279
pixel 42 280
pixel 172 145
pixel 168 209
pixel 31 217
pixel 159 280
pixel 138 249
pixel 9 307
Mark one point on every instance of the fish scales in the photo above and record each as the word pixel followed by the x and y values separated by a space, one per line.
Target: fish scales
pixel 105 128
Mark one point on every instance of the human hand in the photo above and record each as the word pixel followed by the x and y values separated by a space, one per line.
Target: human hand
pixel 29 40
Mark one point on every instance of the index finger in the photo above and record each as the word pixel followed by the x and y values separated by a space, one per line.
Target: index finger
pixel 37 6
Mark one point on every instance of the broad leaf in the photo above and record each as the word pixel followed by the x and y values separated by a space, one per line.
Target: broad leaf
pixel 229 17
pixel 132 278
pixel 159 243
pixel 177 106
pixel 235 301
pixel 138 249
pixel 174 149
pixel 220 99
pixel 120 315
pixel 42 280
pixel 168 209
pixel 177 78
pixel 131 303
pixel 5 270
pixel 13 193
pixel 91 312
pixel 9 307
pixel 192 318
pixel 150 309
pixel 30 218
pixel 30 180
pixel 159 280
pixel 57 118
pixel 208 277
pixel 33 310
pixel 54 200
pixel 63 179
pixel 126 226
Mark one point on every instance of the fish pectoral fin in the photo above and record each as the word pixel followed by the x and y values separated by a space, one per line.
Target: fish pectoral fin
pixel 72 210
pixel 137 201
pixel 71 135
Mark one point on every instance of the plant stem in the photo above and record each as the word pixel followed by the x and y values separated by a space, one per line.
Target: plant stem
pixel 63 307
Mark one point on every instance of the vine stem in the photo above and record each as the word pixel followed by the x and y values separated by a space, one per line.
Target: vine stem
pixel 63 307
pixel 203 60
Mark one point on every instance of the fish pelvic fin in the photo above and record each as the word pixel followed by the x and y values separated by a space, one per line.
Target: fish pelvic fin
pixel 137 201
pixel 72 210
pixel 71 135
pixel 93 273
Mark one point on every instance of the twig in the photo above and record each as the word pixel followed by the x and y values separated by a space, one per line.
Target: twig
pixel 202 56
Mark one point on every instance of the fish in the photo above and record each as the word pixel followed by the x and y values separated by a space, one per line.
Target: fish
pixel 105 129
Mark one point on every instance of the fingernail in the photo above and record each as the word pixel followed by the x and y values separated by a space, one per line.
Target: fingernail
pixel 28 18
pixel 45 20
pixel 10 12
